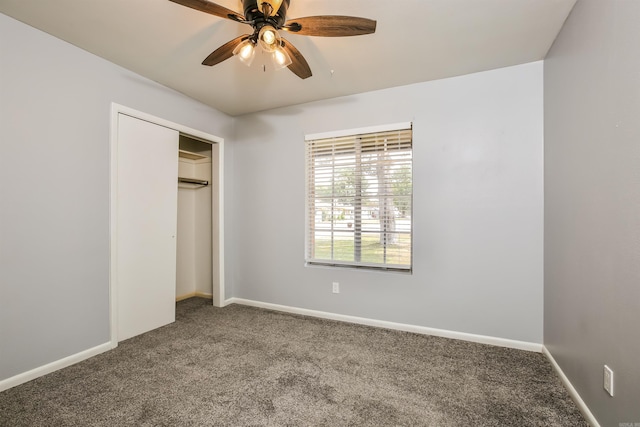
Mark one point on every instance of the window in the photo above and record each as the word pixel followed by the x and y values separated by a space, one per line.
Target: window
pixel 359 194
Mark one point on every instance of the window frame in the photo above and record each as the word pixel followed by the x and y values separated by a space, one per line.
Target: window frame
pixel 355 133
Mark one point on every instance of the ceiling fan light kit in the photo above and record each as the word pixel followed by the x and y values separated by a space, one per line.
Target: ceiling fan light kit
pixel 267 18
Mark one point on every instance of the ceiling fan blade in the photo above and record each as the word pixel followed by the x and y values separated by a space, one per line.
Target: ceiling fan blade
pixel 331 26
pixel 224 52
pixel 299 65
pixel 211 8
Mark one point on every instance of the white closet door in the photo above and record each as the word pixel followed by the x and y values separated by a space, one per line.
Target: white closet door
pixel 147 205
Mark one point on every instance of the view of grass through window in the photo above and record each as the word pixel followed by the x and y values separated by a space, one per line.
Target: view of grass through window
pixel 372 250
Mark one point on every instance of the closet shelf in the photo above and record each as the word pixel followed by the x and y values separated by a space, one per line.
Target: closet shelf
pixel 193 181
pixel 191 155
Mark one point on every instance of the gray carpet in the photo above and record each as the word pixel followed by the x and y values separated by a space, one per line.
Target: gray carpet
pixel 242 366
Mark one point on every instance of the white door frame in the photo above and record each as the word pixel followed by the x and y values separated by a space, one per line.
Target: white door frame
pixel 116 109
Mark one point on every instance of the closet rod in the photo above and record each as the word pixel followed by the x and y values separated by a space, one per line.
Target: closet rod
pixel 193 181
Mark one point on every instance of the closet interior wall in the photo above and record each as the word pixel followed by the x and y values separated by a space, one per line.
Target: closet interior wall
pixel 196 269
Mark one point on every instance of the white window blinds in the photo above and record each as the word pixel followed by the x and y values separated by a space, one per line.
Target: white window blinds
pixel 359 193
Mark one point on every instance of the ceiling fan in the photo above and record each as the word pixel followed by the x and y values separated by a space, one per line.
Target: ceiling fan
pixel 268 17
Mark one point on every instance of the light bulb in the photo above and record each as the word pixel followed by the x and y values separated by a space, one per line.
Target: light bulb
pixel 281 58
pixel 268 38
pixel 245 51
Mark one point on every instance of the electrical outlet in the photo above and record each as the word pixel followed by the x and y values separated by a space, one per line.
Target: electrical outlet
pixel 608 380
pixel 336 287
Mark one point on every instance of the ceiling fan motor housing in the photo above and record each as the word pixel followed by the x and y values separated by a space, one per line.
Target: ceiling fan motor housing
pixel 253 14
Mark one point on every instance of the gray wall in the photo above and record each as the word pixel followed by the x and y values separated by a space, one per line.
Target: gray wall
pixel 478 212
pixel 592 204
pixel 54 190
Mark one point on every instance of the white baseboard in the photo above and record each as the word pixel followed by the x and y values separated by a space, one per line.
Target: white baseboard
pixel 584 409
pixel 482 339
pixel 54 366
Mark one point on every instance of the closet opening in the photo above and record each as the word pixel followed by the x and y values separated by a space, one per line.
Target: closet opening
pixel 197 257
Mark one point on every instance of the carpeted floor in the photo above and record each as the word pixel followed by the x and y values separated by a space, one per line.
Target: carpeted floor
pixel 242 366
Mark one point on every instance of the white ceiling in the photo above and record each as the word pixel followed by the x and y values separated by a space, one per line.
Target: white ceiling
pixel 415 41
